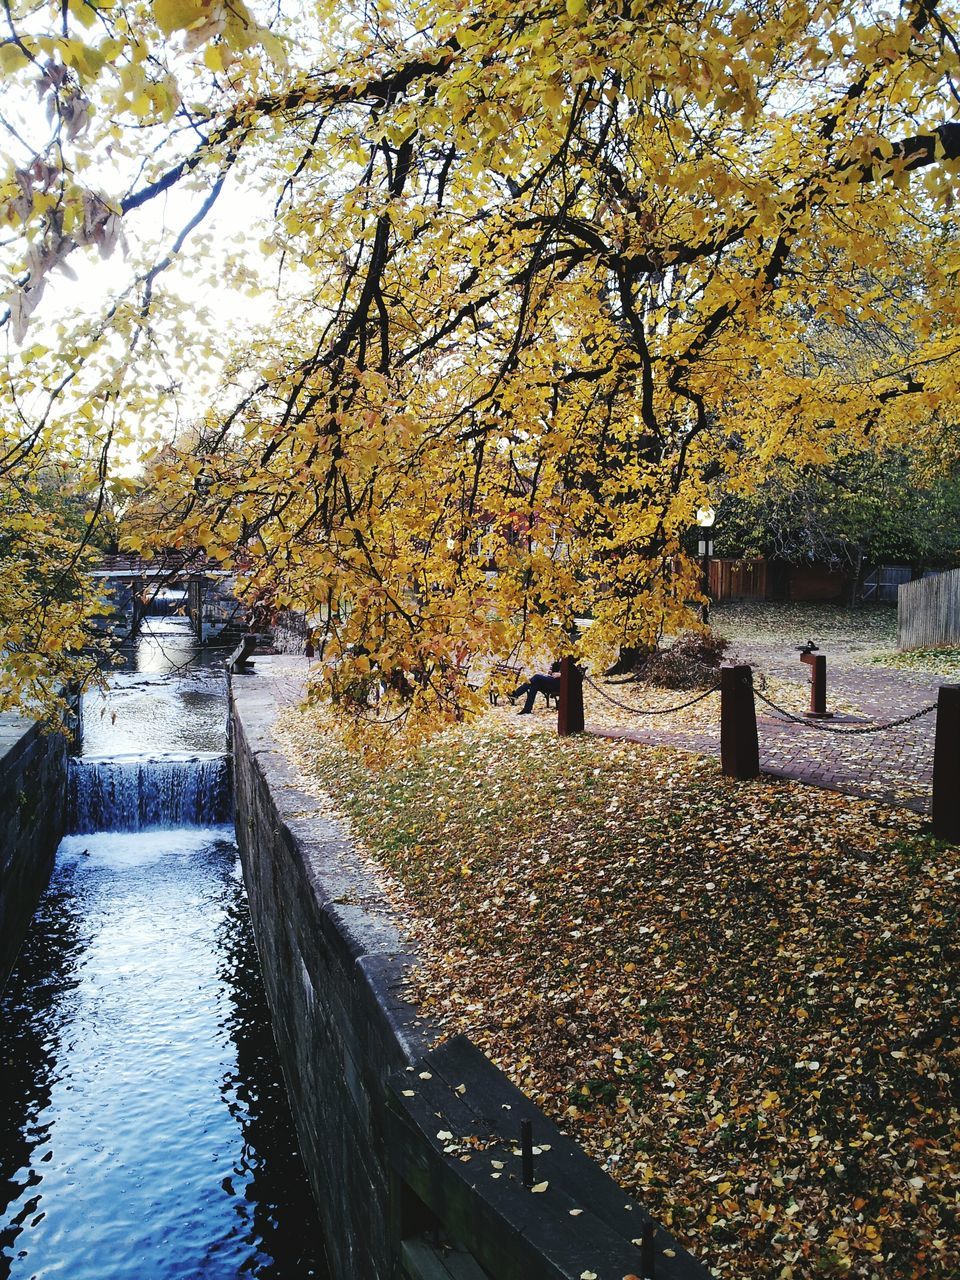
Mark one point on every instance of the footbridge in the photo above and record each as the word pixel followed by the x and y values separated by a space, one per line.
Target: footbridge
pixel 187 584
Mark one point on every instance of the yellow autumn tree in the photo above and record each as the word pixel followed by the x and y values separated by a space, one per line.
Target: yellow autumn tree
pixel 543 276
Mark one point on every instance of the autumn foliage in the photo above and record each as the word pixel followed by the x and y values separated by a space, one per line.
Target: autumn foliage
pixel 545 280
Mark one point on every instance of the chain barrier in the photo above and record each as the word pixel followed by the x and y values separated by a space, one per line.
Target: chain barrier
pixel 646 711
pixel 845 733
pixel 378 721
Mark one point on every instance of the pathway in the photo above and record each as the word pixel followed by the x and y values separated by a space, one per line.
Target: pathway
pixel 895 766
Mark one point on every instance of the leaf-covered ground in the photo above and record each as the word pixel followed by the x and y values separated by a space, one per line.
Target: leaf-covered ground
pixel 943 661
pixel 740 997
pixel 842 630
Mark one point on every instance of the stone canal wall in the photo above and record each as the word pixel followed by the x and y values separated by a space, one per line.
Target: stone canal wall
pixel 412 1151
pixel 33 798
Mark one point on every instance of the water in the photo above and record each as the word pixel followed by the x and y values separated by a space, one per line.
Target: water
pixel 144 1127
pixel 170 697
pixel 142 793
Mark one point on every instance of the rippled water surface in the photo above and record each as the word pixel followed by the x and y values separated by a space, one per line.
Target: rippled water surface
pixel 144 1128
pixel 171 697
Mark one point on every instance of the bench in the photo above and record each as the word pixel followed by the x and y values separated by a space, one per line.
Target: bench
pixel 504 670
pixel 500 673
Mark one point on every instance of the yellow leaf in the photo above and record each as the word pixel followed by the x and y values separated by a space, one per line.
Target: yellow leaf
pixel 553 97
pixel 177 15
pixel 273 47
pixel 12 58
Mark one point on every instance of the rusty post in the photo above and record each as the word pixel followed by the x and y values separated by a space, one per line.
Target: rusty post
pixel 739 747
pixel 946 765
pixel 818 685
pixel 570 702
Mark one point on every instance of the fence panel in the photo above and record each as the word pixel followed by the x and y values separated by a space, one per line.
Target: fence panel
pixel 928 612
pixel 738 579
pixel 884 582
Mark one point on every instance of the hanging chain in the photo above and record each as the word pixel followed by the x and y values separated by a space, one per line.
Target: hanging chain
pixel 647 711
pixel 825 728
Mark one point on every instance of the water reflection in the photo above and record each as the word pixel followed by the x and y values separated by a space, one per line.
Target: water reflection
pixel 30 1045
pixel 146 1129
pixel 170 697
pixel 168 646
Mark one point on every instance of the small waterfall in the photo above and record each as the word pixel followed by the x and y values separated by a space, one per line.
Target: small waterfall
pixel 139 793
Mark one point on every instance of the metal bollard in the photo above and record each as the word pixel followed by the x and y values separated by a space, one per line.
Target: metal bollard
pixel 526 1153
pixel 570 702
pixel 739 747
pixel 946 765
pixel 818 682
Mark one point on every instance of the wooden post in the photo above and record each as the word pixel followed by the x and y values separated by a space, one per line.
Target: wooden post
pixel 570 702
pixel 739 747
pixel 946 765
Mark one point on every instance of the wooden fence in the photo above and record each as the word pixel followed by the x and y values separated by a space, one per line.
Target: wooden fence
pixel 738 579
pixel 928 612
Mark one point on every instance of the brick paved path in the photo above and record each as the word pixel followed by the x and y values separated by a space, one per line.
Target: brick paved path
pixel 895 766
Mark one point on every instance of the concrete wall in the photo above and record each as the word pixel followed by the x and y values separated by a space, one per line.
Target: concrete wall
pixel 400 1138
pixel 33 794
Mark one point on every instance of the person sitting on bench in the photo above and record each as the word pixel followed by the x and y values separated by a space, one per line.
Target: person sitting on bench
pixel 549 686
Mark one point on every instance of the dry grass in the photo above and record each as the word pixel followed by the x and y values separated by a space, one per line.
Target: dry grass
pixel 943 661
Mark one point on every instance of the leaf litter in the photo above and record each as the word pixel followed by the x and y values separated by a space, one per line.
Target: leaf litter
pixel 740 998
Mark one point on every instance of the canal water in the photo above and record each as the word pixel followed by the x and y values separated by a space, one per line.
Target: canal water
pixel 144 1127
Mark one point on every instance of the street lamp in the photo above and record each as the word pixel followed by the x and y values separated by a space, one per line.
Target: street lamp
pixel 705 518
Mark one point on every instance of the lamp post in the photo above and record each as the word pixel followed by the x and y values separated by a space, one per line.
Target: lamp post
pixel 705 518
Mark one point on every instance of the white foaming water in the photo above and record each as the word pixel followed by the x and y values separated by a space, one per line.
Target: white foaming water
pixel 116 851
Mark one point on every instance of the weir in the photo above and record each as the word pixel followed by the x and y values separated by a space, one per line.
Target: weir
pixel 144 793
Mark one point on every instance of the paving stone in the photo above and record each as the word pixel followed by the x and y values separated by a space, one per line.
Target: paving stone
pixel 893 765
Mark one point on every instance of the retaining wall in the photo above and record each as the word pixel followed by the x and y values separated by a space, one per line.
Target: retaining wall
pixel 33 796
pixel 412 1151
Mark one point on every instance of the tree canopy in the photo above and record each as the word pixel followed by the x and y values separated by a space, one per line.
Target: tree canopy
pixel 538 280
pixel 858 511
